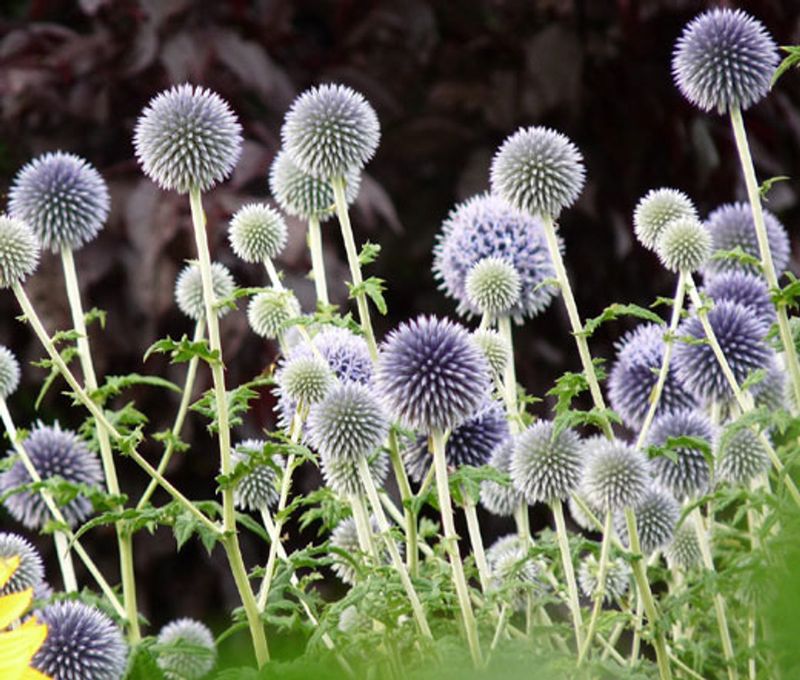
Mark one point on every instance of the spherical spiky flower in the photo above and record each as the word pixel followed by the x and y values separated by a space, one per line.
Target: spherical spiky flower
pixel 731 226
pixel 187 137
pixel 771 391
pixel 9 373
pixel 501 499
pixel 188 650
pixel 189 289
pixel 546 466
pixel 258 488
pixel 618 577
pixel 269 312
pixel 493 286
pixel 724 59
pixel 485 226
pixel 683 550
pixel 741 456
pixel 747 289
pixel 19 251
pixel 305 196
pixel 330 130
pixel 348 423
pixel 62 198
pixel 615 476
pixel 657 515
pixel 257 232
pixel 54 453
pixel 656 210
pixel 343 475
pixel 345 538
pixel 511 568
pixel 687 475
pixel 741 337
pixel 431 375
pixel 305 378
pixel 30 572
pixel 82 644
pixel 494 347
pixel 539 171
pixel 635 373
pixel 684 245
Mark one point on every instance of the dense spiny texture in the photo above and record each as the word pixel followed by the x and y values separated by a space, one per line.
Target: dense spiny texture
pixel 689 474
pixel 189 289
pixel 19 251
pixel 684 245
pixel 82 644
pixel 501 499
pixel 270 311
pixel 741 337
pixel 305 196
pixel 615 477
pixel 731 226
pixel 54 453
pixel 495 348
pixel 546 466
pixel 343 477
pixel 724 59
pixel 258 488
pixel 635 373
pixel 189 650
pixel 431 375
pixel 657 515
pixel 348 423
pixel 656 210
pixel 771 391
pixel 618 578
pixel 747 289
pixel 187 137
pixel 493 285
pixel 539 171
pixel 510 567
pixel 30 572
pixel 741 456
pixel 9 373
pixel 257 232
pixel 62 198
pixel 345 538
pixel 330 130
pixel 305 378
pixel 683 550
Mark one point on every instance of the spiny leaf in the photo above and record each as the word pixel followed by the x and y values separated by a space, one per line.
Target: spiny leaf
pixel 184 350
pixel 373 288
pixel 115 384
pixel 617 310
pixel 369 253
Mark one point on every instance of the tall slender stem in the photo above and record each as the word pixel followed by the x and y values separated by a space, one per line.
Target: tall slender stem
pixel 637 630
pixel 600 590
pixel 363 528
pixel 406 496
pixel 509 375
pixel 569 571
pixel 317 260
pixel 476 540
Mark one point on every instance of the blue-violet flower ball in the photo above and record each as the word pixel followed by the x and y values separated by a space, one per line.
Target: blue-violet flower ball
pixel 656 516
pixel 188 650
pixel 30 572
pixel 683 550
pixel 343 475
pixel 501 499
pixel 615 476
pixel 19 251
pixel 741 456
pixel 258 488
pixel 747 289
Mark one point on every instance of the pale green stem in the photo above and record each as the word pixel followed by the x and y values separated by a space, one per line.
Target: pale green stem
pixel 65 562
pixel 600 590
pixel 272 273
pixel 406 496
pixel 510 376
pixel 753 526
pixel 523 522
pixel 612 641
pixel 569 571
pixel 637 630
pixel 398 517
pixel 476 540
pixel 317 260
pixel 501 625
pixel 363 529
pixel 685 668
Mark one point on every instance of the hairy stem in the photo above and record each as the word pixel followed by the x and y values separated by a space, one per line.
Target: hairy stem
pixel 600 591
pixel 317 260
pixel 569 571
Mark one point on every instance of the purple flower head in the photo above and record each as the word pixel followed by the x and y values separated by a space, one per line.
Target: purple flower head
pixel 741 456
pixel 30 573
pixel 747 289
pixel 656 515
pixel 501 499
pixel 257 489
pixel 343 476
pixel 615 476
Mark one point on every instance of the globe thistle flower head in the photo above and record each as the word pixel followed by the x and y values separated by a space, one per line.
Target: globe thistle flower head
pixel 9 373
pixel 749 290
pixel 618 577
pixel 615 477
pixel 257 233
pixel 509 565
pixel 486 226
pixel 270 311
pixel 187 138
pixel 538 171
pixel 348 423
pixel 635 373
pixel 330 130
pixel 54 453
pixel 342 475
pixel 684 245
pixel 305 196
pixel 188 650
pixel 688 475
pixel 30 572
pixel 495 348
pixel 770 392
pixel 431 375
pixel 724 59
pixel 741 337
pixel 656 515
pixel 501 499
pixel 306 378
pixel 493 286
pixel 546 465
pixel 741 456
pixel 62 198
pixel 189 289
pixel 19 251
pixel 82 644
pixel 345 538
pixel 656 210
pixel 258 488
pixel 683 550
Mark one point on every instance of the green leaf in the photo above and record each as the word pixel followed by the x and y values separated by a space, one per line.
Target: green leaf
pixel 789 295
pixel 116 384
pixel 95 314
pixel 617 310
pixel 369 253
pixel 238 400
pixel 737 255
pixel 373 288
pixel 791 60
pixel 184 350
pixel 767 184
pixel 465 482
pixel 671 449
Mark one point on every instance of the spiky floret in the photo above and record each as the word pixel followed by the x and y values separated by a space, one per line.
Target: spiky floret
pixel 345 538
pixel 431 375
pixel 747 289
pixel 494 347
pixel 618 577
pixel 724 59
pixel 501 499
pixel 615 476
pixel 493 286
pixel 731 226
pixel 513 571
pixel 258 488
pixel 635 373
pixel 348 423
pixel 257 232
pixel 62 198
pixel 683 550
pixel 656 515
pixel 741 337
pixel 187 650
pixel 343 476
pixel 30 572
pixel 269 312
pixel 688 474
pixel 330 130
pixel 9 373
pixel 656 209
pixel 305 378
pixel 187 137
pixel 741 456
pixel 189 289
pixel 546 465
pixel 305 196
pixel 684 245
pixel 82 644
pixel 770 392
pixel 19 251
pixel 539 171
pixel 54 453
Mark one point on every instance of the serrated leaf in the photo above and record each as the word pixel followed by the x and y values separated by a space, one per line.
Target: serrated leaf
pixel 184 350
pixel 114 385
pixel 617 310
pixel 369 253
pixel 373 288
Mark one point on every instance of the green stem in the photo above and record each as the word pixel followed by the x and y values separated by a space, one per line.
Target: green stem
pixel 523 523
pixel 600 591
pixel 637 630
pixel 476 540
pixel 510 376
pixel 569 571
pixel 406 496
pixel 317 260
pixel 363 529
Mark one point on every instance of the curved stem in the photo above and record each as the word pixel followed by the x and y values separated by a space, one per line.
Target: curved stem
pixel 317 260
pixel 569 571
pixel 600 591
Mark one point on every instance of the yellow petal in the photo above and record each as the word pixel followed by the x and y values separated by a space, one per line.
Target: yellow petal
pixel 8 565
pixel 18 646
pixel 14 606
pixel 33 674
